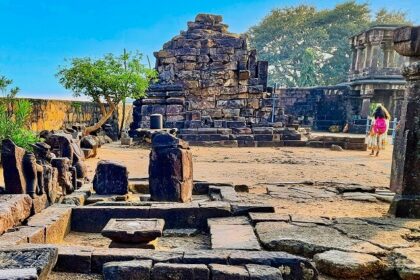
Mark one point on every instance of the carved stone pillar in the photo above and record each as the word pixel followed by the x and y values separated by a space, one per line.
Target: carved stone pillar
pixel 405 175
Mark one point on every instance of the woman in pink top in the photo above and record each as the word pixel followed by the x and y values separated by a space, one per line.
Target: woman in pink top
pixel 379 130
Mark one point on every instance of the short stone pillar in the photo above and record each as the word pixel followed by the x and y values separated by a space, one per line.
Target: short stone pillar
pixel 405 174
pixel 110 178
pixel 170 169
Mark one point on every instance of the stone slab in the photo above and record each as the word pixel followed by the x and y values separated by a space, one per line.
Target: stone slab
pixel 23 234
pixel 348 264
pixel 228 272
pixel 133 230
pixel 128 270
pixel 171 271
pixel 233 237
pixel 239 209
pixel 42 258
pixel 19 274
pixel 309 239
pixel 206 257
pixel 239 220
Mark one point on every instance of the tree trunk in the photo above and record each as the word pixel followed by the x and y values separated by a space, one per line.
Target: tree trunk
pixel 123 118
pixel 102 121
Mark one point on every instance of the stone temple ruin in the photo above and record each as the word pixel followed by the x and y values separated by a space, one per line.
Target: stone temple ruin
pixel 170 226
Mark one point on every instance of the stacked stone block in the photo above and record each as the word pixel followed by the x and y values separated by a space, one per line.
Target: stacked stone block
pixel 205 74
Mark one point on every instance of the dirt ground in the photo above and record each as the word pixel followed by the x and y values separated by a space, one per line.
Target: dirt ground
pixel 262 166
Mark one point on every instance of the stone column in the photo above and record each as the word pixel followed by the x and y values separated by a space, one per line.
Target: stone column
pixel 405 174
pixel 368 56
pixel 170 169
pixel 375 56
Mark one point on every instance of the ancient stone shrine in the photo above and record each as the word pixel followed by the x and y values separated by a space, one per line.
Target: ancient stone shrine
pixel 170 169
pixel 405 176
pixel 208 77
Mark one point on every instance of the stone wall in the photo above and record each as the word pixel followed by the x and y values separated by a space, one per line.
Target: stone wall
pixel 57 114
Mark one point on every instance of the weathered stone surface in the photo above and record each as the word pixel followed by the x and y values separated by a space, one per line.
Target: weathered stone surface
pixel 206 257
pixel 95 218
pixel 170 170
pixel 309 239
pixel 102 256
pixel 347 264
pixel 268 217
pixel 407 263
pixel 12 161
pixel 240 220
pixel 290 266
pixel 42 258
pixel 23 234
pixel 170 271
pixel 110 178
pixel 263 272
pixel 133 230
pixel 233 237
pixel 228 272
pixel 382 236
pixel 74 259
pixel 56 222
pixel 13 210
pixel 63 165
pixel 127 270
pixel 19 274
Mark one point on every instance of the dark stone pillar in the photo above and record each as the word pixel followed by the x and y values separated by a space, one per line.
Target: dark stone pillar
pixel 170 169
pixel 405 175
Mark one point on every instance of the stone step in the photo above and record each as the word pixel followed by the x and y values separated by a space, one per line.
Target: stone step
pixel 233 237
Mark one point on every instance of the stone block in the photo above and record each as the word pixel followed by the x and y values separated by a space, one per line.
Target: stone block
pixel 110 178
pixel 348 264
pixel 206 257
pixel 13 210
pixel 56 222
pixel 105 255
pixel 242 143
pixel 263 272
pixel 41 258
pixel 170 271
pixel 219 123
pixel 174 109
pixel 228 272
pixel 193 116
pixel 262 130
pixel 255 89
pixel 23 234
pixel 235 124
pixel 246 138
pixel 74 259
pixel 294 143
pixel 170 173
pixel 127 141
pixel 133 230
pixel 94 218
pixel 239 209
pixel 263 137
pixel 128 270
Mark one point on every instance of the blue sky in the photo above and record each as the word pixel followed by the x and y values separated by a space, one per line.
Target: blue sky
pixel 36 36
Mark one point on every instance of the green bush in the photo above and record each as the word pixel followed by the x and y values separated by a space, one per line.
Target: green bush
pixel 14 117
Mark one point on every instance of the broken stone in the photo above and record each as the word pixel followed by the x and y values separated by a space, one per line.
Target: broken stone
pixel 13 210
pixel 110 178
pixel 133 230
pixel 127 270
pixel 348 264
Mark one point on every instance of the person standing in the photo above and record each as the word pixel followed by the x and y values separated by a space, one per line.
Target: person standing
pixel 379 130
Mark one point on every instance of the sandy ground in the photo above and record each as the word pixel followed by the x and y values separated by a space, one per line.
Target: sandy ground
pixel 261 166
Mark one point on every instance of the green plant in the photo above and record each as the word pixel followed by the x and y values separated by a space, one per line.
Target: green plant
pixel 14 116
pixel 110 79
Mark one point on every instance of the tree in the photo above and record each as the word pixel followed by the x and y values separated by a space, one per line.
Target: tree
pixel 110 79
pixel 14 116
pixel 284 37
